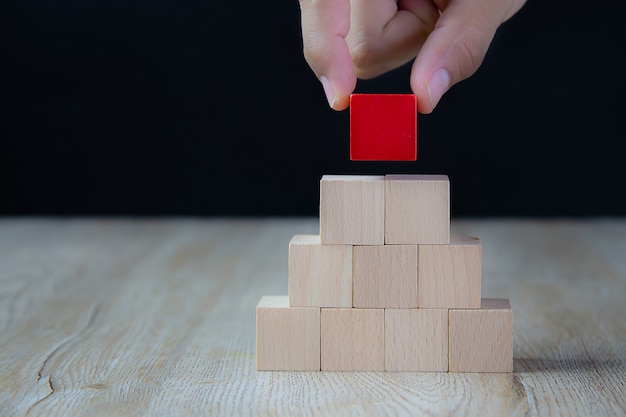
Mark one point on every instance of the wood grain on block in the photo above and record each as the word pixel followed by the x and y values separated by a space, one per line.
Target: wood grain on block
pixel 352 209
pixel 416 340
pixel 384 276
pixel 417 209
pixel 482 340
pixel 319 275
pixel 449 276
pixel 287 338
pixel 352 339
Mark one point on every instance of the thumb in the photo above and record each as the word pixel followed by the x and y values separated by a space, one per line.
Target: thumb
pixel 455 49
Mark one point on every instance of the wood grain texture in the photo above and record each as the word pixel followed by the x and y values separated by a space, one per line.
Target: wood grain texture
pixel 416 340
pixel 450 276
pixel 352 209
pixel 157 318
pixel 384 276
pixel 287 338
pixel 417 209
pixel 482 340
pixel 353 339
pixel 319 275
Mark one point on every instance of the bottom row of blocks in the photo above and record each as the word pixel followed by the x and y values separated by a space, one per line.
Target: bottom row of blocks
pixel 352 339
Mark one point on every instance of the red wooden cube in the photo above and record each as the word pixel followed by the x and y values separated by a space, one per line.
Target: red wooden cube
pixel 383 127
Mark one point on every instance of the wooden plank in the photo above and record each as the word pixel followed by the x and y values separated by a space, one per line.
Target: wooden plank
pixel 416 340
pixel 136 317
pixel 385 276
pixel 450 276
pixel 482 340
pixel 417 209
pixel 287 338
pixel 319 275
pixel 352 210
pixel 352 339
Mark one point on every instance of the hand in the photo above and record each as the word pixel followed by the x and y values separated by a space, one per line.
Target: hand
pixel 346 39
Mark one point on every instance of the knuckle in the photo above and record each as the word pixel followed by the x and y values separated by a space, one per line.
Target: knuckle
pixel 366 58
pixel 312 50
pixel 470 48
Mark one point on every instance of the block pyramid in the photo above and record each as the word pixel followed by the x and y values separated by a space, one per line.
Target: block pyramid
pixel 384 287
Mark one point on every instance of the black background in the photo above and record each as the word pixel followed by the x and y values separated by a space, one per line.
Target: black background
pixel 208 108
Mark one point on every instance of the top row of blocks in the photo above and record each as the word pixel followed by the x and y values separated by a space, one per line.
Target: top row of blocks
pixel 384 210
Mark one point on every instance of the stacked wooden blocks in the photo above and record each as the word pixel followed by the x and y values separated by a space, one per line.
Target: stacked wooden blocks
pixel 383 287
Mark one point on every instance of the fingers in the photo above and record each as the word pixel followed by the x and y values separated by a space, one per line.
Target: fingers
pixel 386 34
pixel 325 25
pixel 457 46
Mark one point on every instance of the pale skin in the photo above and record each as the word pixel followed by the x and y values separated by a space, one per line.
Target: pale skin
pixel 446 39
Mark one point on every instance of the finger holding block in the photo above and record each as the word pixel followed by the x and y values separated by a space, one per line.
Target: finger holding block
pixel 417 209
pixel 352 210
pixel 482 340
pixel 287 338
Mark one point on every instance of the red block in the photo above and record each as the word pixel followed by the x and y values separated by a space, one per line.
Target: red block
pixel 383 127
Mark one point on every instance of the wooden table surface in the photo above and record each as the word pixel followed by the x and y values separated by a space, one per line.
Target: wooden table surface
pixel 157 318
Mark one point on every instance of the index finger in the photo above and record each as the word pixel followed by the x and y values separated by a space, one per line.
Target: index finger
pixel 325 25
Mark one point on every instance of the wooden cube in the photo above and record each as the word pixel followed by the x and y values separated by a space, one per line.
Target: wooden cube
pixel 287 338
pixel 383 127
pixel 449 276
pixel 384 276
pixel 416 340
pixel 482 340
pixel 417 209
pixel 352 210
pixel 352 339
pixel 319 275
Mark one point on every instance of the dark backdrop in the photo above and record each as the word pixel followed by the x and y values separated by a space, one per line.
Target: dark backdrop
pixel 207 108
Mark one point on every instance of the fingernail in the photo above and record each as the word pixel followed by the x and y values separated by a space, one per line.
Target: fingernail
pixel 329 91
pixel 438 84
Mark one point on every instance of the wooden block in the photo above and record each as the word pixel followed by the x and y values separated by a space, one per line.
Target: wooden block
pixel 352 210
pixel 384 276
pixel 449 276
pixel 482 340
pixel 416 340
pixel 287 338
pixel 383 127
pixel 319 275
pixel 352 339
pixel 417 209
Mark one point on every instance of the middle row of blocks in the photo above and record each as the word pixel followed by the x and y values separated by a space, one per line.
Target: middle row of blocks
pixel 384 276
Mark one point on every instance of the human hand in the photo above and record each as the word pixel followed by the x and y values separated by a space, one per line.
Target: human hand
pixel 346 39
